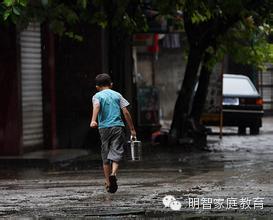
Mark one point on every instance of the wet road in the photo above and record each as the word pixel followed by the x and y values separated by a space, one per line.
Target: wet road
pixel 237 170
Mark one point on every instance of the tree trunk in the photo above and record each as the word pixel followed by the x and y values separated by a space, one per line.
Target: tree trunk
pixel 202 90
pixel 197 132
pixel 184 100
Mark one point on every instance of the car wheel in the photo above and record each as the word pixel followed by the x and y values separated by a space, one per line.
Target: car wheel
pixel 254 130
pixel 241 130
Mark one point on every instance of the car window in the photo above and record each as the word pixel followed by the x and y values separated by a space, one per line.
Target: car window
pixel 238 86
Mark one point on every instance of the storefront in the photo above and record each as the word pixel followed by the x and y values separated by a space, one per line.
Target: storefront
pixel 31 85
pixel 266 88
pixel 46 88
pixel 22 59
pixel 158 71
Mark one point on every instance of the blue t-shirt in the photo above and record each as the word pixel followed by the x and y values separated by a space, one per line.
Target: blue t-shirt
pixel 110 103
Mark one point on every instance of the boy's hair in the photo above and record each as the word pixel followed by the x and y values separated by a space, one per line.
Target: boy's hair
pixel 103 80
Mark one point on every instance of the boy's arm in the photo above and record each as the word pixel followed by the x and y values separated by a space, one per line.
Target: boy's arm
pixel 96 109
pixel 129 121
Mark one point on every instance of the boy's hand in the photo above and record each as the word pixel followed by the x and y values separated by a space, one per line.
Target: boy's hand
pixel 93 124
pixel 133 134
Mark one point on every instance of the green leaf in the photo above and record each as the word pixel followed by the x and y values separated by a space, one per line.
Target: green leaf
pixel 78 37
pixel 71 16
pixel 16 10
pixel 44 2
pixel 69 34
pixel 74 36
pixel 57 27
pixel 23 3
pixel 6 15
pixel 8 3
pixel 103 24
pixel 82 3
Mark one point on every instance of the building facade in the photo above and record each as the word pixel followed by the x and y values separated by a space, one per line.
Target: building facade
pixel 47 82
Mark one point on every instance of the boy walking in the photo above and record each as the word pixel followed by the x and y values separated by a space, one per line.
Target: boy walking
pixel 107 108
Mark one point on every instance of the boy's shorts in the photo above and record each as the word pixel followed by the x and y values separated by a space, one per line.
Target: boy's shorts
pixel 112 144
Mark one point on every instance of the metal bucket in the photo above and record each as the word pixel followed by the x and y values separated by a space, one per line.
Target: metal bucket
pixel 134 150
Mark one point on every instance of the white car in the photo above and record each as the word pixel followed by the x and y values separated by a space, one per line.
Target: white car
pixel 242 104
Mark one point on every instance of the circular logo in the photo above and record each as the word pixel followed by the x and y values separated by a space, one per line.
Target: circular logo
pixel 167 200
pixel 175 205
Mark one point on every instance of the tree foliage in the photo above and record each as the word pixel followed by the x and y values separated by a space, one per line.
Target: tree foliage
pixel 246 41
pixel 65 17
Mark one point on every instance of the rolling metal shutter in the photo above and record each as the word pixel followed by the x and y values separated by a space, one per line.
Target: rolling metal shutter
pixel 31 69
pixel 266 87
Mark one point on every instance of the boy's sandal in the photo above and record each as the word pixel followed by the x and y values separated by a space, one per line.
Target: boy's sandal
pixel 113 184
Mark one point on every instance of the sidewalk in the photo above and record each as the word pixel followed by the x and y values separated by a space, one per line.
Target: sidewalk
pixel 71 159
pixel 62 159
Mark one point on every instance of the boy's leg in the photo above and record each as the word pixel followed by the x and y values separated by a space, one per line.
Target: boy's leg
pixel 116 147
pixel 105 139
pixel 115 155
pixel 112 178
pixel 114 168
pixel 107 172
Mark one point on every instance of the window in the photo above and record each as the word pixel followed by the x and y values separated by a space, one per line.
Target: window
pixel 238 86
